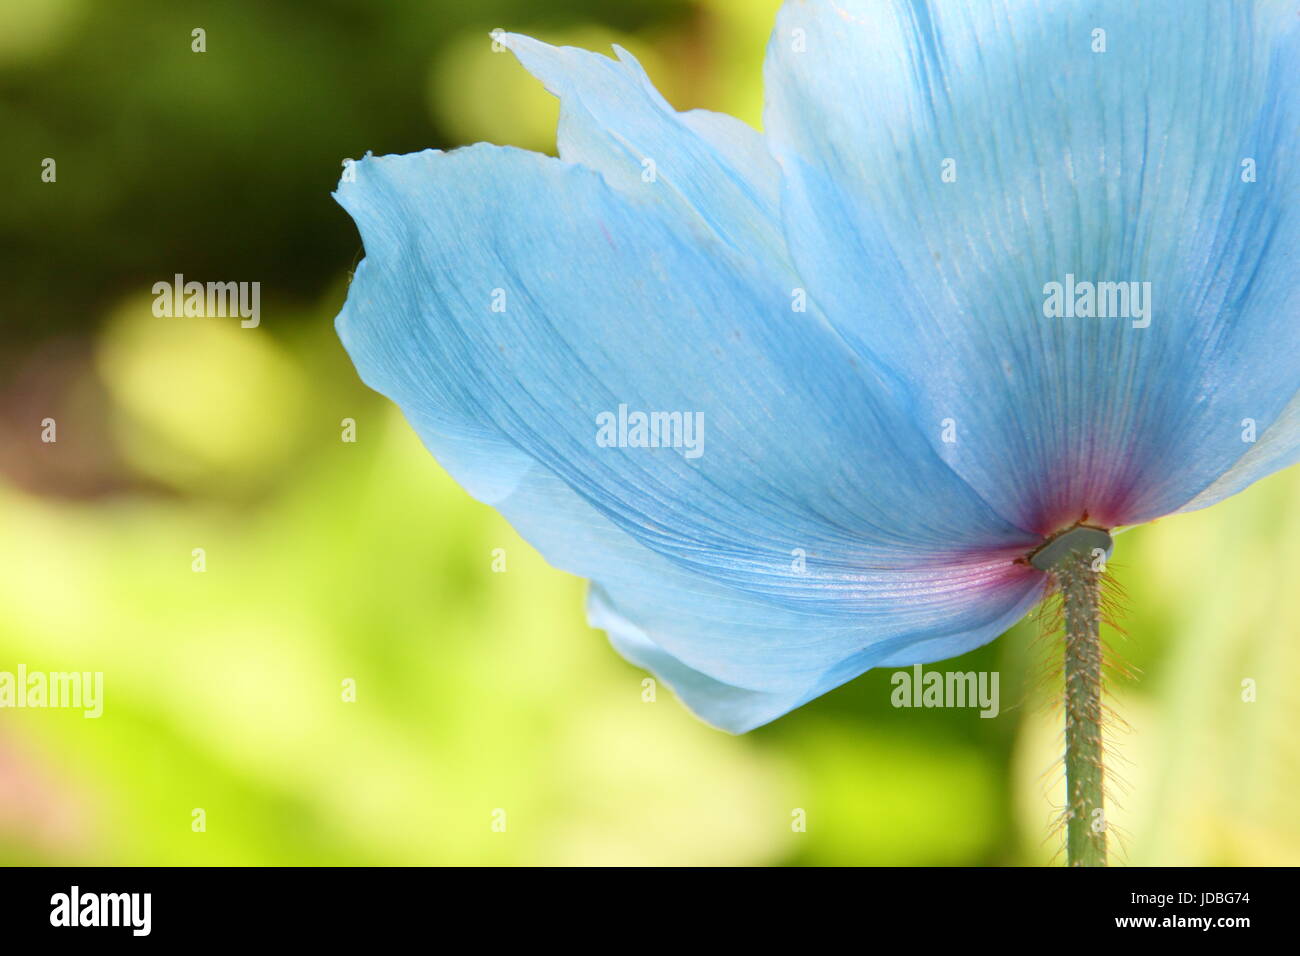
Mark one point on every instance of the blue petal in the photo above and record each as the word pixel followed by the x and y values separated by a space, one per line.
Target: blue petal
pixel 613 301
pixel 749 641
pixel 643 619
pixel 1123 165
pixel 712 168
pixel 734 709
pixel 1272 450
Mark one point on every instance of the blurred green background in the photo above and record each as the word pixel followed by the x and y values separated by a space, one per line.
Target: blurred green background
pixel 329 562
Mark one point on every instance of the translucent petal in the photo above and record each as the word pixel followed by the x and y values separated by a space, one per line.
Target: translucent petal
pixel 945 163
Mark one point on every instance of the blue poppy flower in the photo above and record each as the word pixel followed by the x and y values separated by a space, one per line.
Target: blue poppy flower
pixel 800 403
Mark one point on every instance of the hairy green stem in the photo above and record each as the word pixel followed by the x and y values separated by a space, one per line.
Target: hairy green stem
pixel 1076 559
pixel 1080 588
